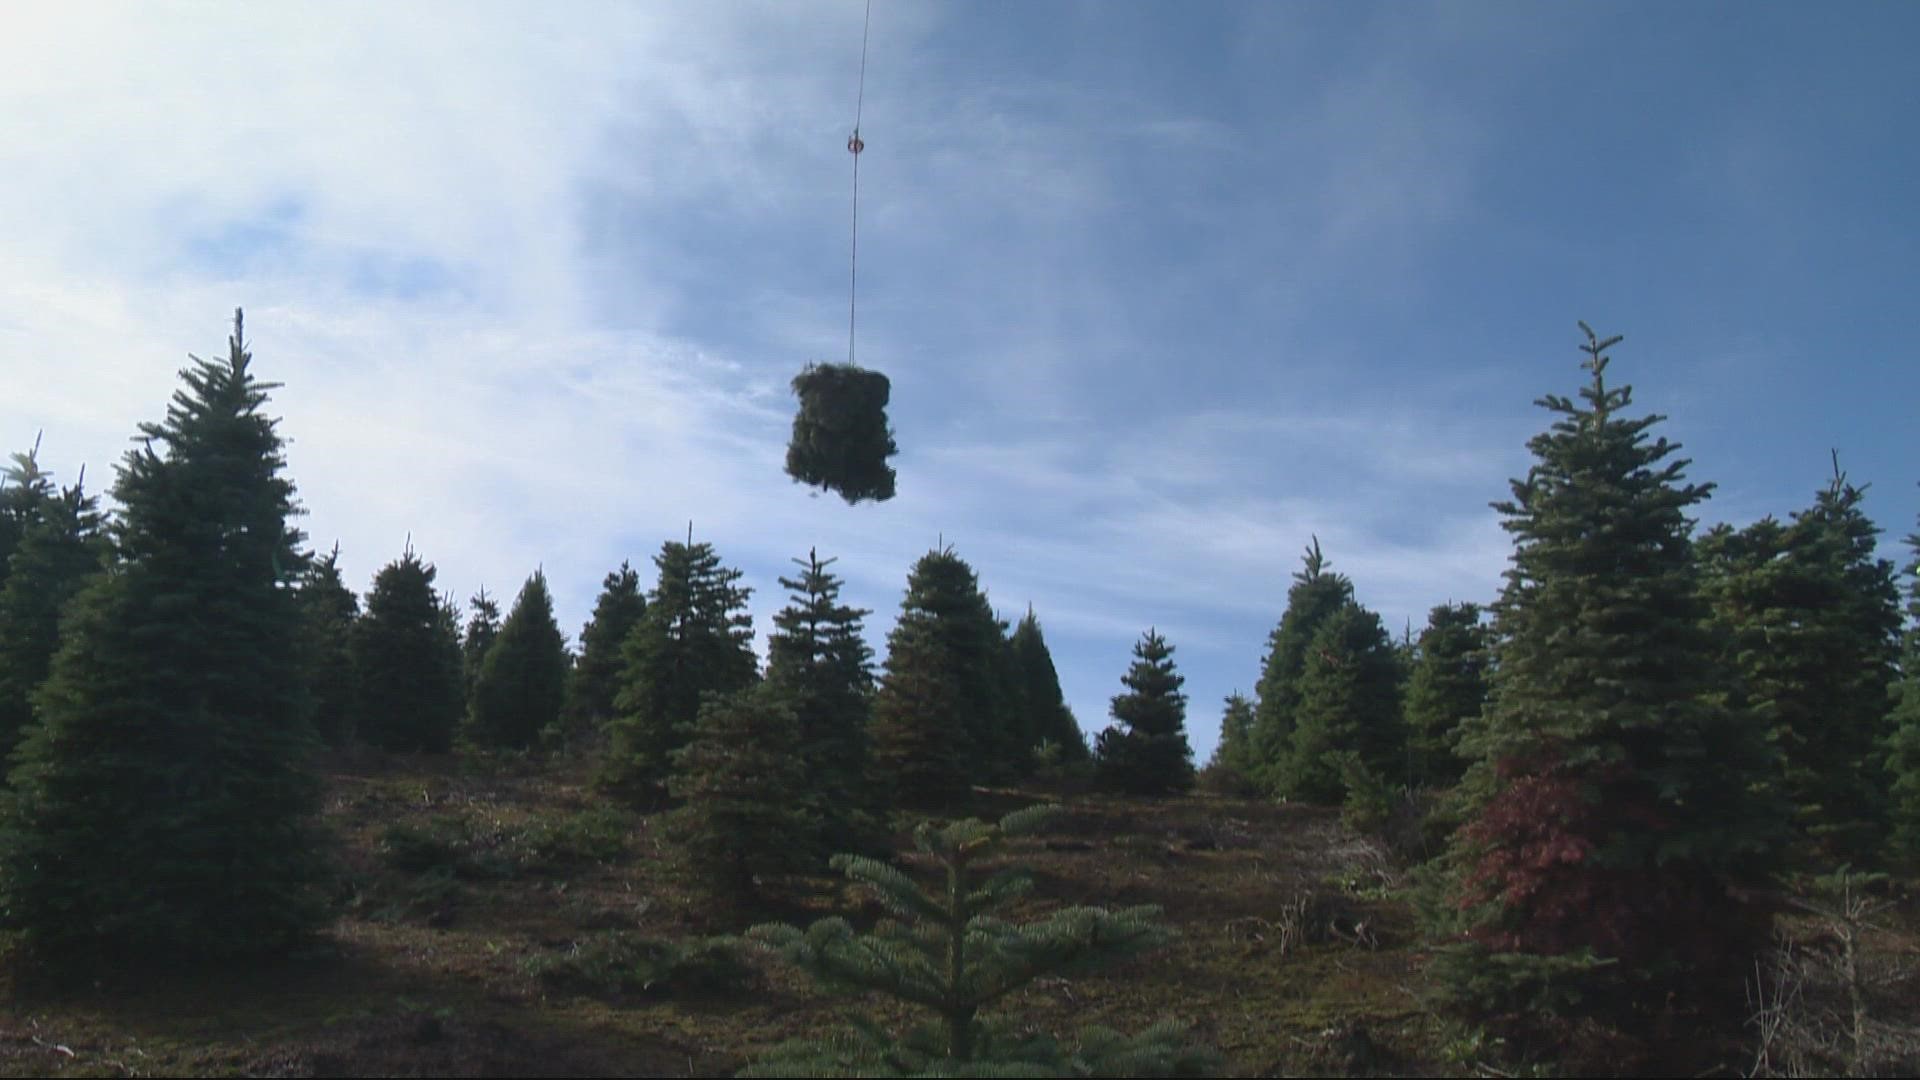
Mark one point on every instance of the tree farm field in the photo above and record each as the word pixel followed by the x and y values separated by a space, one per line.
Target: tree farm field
pixel 497 918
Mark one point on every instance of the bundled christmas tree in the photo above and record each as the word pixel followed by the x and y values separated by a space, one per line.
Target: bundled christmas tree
pixel 948 950
pixel 841 441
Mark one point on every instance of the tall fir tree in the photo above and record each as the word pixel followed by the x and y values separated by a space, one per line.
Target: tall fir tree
pixel 945 620
pixel 1903 744
pixel 522 682
pixel 1045 716
pixel 328 610
pixel 596 675
pixel 164 806
pixel 747 805
pixel 1446 689
pixel 62 547
pixel 696 637
pixel 819 664
pixel 1145 751
pixel 406 653
pixel 483 628
pixel 1612 810
pixel 1810 621
pixel 921 750
pixel 1348 704
pixel 1317 593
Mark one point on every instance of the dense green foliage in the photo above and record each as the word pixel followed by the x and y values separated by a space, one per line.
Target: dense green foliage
pixel 695 638
pixel 163 806
pixel 950 950
pixel 61 548
pixel 1810 621
pixel 1446 688
pixel 24 488
pixel 483 627
pixel 523 680
pixel 1316 594
pixel 1043 712
pixel 1612 811
pixel 1903 744
pixel 1145 751
pixel 1348 704
pixel 328 610
pixel 820 666
pixel 841 441
pixel 1235 749
pixel 745 808
pixel 944 714
pixel 406 653
pixel 596 675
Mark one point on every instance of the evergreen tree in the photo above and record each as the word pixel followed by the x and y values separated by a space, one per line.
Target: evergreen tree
pixel 821 667
pixel 406 651
pixel 696 637
pixel 746 809
pixel 1146 752
pixel 1811 621
pixel 328 610
pixel 1611 804
pixel 1348 704
pixel 596 676
pixel 1447 688
pixel 1235 749
pixel 950 951
pixel 1903 745
pixel 164 805
pixel 483 628
pixel 1045 715
pixel 920 744
pixel 24 489
pixel 1316 594
pixel 523 679
pixel 62 547
pixel 945 619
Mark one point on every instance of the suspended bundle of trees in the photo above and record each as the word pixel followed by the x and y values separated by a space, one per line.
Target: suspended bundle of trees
pixel 841 441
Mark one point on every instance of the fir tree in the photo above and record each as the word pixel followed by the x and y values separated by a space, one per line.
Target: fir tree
pixel 1045 715
pixel 328 610
pixel 483 628
pixel 406 651
pixel 1316 594
pixel 1235 749
pixel 1447 688
pixel 1811 623
pixel 821 667
pixel 523 679
pixel 945 620
pixel 950 951
pixel 920 744
pixel 1611 806
pixel 746 809
pixel 1903 745
pixel 1146 752
pixel 696 638
pixel 25 488
pixel 596 676
pixel 164 805
pixel 63 546
pixel 1348 704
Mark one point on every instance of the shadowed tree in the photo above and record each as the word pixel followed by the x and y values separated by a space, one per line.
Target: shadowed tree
pixel 596 675
pixel 328 610
pixel 1316 594
pixel 522 680
pixel 62 547
pixel 1349 704
pixel 1046 719
pixel 164 806
pixel 1447 688
pixel 1145 752
pixel 406 651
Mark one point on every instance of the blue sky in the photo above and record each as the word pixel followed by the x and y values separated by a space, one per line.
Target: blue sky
pixel 1164 290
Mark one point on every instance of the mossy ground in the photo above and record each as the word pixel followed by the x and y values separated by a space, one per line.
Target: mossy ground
pixel 481 900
